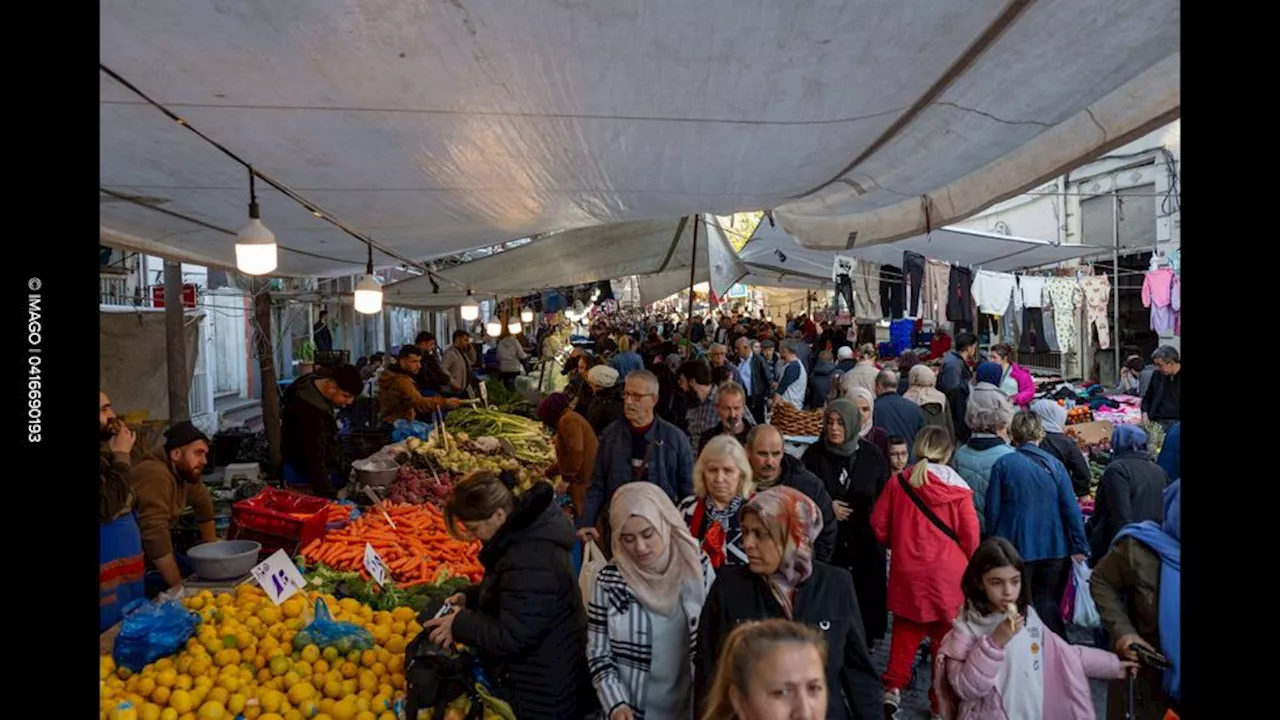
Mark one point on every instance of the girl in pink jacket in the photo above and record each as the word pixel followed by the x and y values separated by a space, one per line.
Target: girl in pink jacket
pixel 1000 662
pixel 1015 380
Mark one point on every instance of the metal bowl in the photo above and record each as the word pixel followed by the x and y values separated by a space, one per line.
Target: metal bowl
pixel 375 473
pixel 224 560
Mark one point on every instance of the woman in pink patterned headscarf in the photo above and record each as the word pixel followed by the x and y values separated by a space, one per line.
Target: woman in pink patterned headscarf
pixel 782 580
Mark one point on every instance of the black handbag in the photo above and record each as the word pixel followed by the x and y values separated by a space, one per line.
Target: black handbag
pixel 435 677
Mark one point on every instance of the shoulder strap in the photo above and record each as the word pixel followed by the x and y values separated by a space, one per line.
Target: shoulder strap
pixel 929 514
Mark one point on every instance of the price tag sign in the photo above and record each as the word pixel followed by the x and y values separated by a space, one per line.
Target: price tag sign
pixel 377 569
pixel 279 577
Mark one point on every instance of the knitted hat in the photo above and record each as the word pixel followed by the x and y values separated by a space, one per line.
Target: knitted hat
pixel 989 372
pixel 844 353
pixel 182 434
pixel 603 375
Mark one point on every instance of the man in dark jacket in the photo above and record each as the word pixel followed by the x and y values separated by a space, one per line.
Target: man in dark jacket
pixel 639 447
pixel 753 377
pixel 896 414
pixel 432 376
pixel 1162 402
pixel 771 465
pixel 953 381
pixel 731 407
pixel 309 430
pixel 320 332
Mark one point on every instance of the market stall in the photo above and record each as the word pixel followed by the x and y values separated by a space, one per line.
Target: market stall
pixel 332 642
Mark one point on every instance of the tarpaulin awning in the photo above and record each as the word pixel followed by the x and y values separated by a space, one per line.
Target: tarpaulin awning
pixel 436 127
pixel 771 251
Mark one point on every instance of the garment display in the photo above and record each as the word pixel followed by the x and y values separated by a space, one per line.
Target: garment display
pixel 1031 291
pixel 1157 291
pixel 992 291
pixel 1175 259
pixel 960 298
pixel 892 292
pixel 844 291
pixel 1097 295
pixel 1050 328
pixel 913 278
pixel 1175 302
pixel 1033 334
pixel 1065 294
pixel 1010 323
pixel 866 290
pixel 936 276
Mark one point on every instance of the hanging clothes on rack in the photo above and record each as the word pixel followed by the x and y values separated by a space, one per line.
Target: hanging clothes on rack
pixel 913 271
pixel 1066 294
pixel 1157 291
pixel 993 290
pixel 1175 259
pixel 1175 302
pixel 1050 326
pixel 1097 295
pixel 1031 290
pixel 866 290
pixel 1033 335
pixel 960 298
pixel 936 276
pixel 892 292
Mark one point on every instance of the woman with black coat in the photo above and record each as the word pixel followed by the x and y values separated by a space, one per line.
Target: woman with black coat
pixel 782 580
pixel 854 473
pixel 1131 490
pixel 1060 445
pixel 525 619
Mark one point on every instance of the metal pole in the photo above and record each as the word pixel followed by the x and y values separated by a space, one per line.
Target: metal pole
pixel 176 343
pixel 693 265
pixel 1115 278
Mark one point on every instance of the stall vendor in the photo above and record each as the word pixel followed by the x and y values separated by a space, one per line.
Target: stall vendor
pixel 398 396
pixel 120 561
pixel 309 431
pixel 166 483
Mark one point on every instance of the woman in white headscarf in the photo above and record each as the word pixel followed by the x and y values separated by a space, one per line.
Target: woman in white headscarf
pixel 642 619
pixel 1053 417
pixel 865 401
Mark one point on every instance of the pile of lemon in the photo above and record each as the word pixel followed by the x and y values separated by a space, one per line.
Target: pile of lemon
pixel 242 664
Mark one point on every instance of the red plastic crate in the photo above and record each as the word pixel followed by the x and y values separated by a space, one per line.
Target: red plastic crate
pixel 270 518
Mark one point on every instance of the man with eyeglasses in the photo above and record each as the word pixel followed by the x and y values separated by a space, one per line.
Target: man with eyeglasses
pixel 639 447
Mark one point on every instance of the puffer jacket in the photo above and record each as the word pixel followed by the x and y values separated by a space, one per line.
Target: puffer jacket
pixel 1131 490
pixel 974 461
pixel 526 618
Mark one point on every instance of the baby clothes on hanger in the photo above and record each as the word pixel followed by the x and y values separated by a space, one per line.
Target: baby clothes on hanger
pixel 992 290
pixel 1157 288
pixel 1097 294
pixel 1064 292
pixel 1031 288
pixel 866 290
pixel 937 275
pixel 1175 259
pixel 1175 302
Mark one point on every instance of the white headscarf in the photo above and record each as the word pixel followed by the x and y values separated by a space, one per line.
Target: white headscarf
pixel 679 567
pixel 856 393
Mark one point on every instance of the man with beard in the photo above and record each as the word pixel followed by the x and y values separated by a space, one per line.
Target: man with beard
pixel 166 483
pixel 731 408
pixel 771 466
pixel 120 561
pixel 700 396
pixel 432 376
pixel 398 396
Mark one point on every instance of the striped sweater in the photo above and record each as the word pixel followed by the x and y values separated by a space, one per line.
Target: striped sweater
pixel 619 633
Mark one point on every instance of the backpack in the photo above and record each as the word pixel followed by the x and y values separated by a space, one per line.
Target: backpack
pixel 434 677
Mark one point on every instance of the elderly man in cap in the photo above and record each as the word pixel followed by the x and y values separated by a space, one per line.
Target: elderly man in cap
pixel 309 431
pixel 166 483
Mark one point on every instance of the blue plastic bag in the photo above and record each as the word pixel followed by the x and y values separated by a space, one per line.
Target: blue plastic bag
pixel 151 631
pixel 403 430
pixel 325 632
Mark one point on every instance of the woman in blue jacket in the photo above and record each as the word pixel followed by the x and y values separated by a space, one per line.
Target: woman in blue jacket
pixel 1031 504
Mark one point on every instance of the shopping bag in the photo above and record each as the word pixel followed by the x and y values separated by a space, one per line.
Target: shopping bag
pixel 1086 613
pixel 1067 608
pixel 592 561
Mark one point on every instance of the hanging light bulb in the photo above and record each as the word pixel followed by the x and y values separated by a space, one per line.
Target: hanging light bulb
pixel 493 328
pixel 470 309
pixel 255 244
pixel 526 315
pixel 514 327
pixel 369 290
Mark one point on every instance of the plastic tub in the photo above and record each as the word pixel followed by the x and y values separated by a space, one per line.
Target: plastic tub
pixel 224 560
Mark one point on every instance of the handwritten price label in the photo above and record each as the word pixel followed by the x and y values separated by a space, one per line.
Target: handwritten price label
pixel 374 564
pixel 279 577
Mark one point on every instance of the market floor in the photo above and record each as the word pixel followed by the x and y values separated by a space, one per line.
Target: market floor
pixel 915 698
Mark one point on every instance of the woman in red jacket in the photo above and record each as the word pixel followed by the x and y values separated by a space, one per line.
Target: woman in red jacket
pixel 926 518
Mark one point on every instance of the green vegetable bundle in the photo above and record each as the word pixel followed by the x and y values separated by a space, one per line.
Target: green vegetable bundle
pixel 504 399
pixel 526 436
pixel 325 579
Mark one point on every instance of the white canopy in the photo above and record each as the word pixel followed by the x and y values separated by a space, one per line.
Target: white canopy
pixel 436 127
pixel 771 252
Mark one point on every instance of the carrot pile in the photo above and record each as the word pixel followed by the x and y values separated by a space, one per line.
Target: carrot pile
pixel 338 513
pixel 417 551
